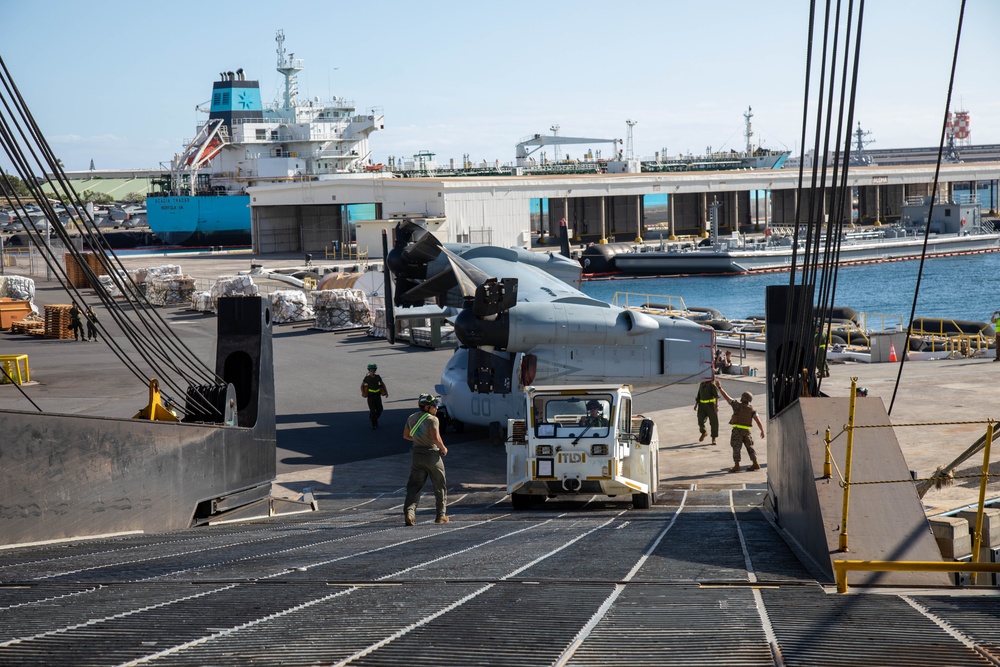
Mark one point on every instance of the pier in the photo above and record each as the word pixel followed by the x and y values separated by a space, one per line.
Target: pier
pixel 513 210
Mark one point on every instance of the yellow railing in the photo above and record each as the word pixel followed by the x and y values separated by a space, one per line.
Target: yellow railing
pixel 902 566
pixel 967 345
pixel 842 567
pixel 349 252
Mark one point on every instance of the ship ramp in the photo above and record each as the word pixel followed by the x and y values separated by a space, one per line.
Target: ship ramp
pixel 886 520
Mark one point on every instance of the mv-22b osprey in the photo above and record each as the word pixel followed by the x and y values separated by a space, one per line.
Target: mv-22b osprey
pixel 522 321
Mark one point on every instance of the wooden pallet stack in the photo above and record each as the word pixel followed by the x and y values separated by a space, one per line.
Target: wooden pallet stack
pixel 57 321
pixel 74 272
pixel 94 262
pixel 30 327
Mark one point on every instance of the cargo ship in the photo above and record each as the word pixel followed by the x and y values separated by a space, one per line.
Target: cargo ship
pixel 204 201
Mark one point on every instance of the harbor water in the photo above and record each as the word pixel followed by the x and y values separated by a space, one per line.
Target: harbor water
pixel 962 288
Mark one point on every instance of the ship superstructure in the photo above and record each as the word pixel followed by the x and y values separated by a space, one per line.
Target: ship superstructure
pixel 245 143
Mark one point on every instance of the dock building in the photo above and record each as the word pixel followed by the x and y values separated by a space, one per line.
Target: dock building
pixel 512 210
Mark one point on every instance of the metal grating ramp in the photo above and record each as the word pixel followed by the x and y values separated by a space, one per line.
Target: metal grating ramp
pixel 677 625
pixel 815 629
pixel 583 583
pixel 974 617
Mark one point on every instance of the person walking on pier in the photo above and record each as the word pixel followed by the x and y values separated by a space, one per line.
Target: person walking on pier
pixel 91 324
pixel 706 402
pixel 742 420
pixel 373 389
pixel 75 323
pixel 423 430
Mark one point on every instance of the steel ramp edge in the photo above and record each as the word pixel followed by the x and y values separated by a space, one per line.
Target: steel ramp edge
pixel 885 521
pixel 264 508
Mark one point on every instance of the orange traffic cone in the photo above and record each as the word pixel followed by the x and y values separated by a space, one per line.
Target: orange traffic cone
pixel 892 353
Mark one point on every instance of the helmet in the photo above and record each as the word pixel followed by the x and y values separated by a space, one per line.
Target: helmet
pixel 428 400
pixel 373 367
pixel 746 397
pixel 593 404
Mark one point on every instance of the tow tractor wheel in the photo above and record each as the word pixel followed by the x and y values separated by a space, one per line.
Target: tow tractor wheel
pixel 497 435
pixel 641 501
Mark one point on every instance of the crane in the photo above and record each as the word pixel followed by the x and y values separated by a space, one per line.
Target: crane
pixel 538 140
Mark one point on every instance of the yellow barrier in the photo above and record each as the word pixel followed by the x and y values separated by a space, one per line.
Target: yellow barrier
pixel 842 567
pixel 903 566
pixel 12 367
pixel 350 252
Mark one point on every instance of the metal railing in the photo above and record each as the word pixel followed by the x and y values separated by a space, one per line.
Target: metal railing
pixel 842 567
pixel 651 302
pixel 347 251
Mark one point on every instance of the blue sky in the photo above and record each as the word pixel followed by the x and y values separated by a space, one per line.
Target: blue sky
pixel 117 82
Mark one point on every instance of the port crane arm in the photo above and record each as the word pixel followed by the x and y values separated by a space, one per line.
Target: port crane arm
pixel 539 140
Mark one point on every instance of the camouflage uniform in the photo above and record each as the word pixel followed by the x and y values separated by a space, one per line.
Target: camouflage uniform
pixel 425 461
pixel 708 397
pixel 742 422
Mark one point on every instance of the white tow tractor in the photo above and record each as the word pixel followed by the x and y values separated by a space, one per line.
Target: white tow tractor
pixel 581 439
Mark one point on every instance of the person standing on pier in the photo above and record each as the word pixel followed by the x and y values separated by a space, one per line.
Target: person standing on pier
pixel 423 430
pixel 91 324
pixel 75 323
pixel 373 389
pixel 706 402
pixel 744 416
pixel 995 321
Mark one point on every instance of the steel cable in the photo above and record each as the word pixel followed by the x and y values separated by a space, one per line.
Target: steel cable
pixel 930 212
pixel 158 357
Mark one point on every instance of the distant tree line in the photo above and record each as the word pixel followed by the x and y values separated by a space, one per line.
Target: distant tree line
pixel 12 185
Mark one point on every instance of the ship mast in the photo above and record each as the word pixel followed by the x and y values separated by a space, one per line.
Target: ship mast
pixel 288 67
pixel 860 157
pixel 748 130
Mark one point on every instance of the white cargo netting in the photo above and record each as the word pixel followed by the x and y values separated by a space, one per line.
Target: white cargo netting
pixel 241 285
pixel 289 306
pixel 19 288
pixel 341 309
pixel 169 290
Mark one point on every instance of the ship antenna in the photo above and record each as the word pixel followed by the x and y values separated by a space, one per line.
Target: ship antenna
pixel 628 142
pixel 288 67
pixel 748 130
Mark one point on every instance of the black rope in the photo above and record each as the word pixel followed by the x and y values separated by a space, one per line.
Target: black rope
pixel 815 253
pixel 930 212
pixel 159 347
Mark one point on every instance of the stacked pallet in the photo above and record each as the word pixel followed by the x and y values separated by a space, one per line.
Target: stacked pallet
pixel 208 301
pixel 94 262
pixel 289 306
pixel 31 326
pixel 57 321
pixel 378 328
pixel 125 278
pixel 74 273
pixel 169 290
pixel 341 309
pixel 19 288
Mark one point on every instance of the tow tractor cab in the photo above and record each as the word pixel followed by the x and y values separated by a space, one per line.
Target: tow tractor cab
pixel 581 440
